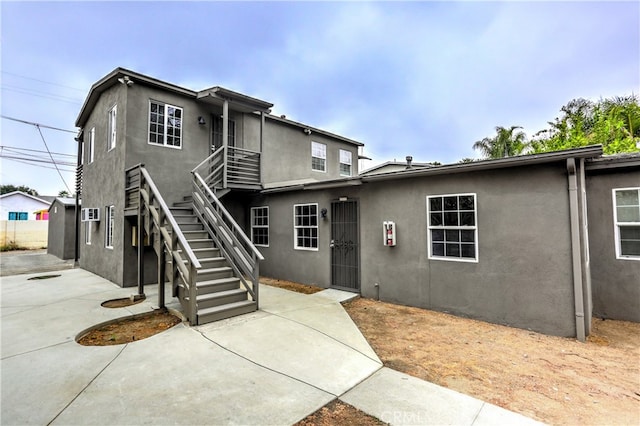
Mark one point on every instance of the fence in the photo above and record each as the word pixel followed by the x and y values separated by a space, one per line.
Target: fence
pixel 24 233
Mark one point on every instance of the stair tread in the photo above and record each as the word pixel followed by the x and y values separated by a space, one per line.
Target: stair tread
pixel 218 269
pixel 226 307
pixel 220 294
pixel 217 281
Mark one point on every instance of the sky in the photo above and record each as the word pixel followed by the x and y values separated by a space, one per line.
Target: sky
pixel 425 79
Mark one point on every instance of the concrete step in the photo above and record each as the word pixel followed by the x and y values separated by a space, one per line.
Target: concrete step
pixel 217 313
pixel 217 285
pixel 220 298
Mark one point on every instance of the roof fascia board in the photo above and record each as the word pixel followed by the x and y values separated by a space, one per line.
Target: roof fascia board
pixel 26 195
pixel 612 163
pixel 313 129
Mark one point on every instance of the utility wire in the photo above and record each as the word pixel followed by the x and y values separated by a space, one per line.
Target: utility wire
pixel 38 125
pixel 41 81
pixel 41 94
pixel 29 163
pixel 37 160
pixel 58 170
pixel 33 150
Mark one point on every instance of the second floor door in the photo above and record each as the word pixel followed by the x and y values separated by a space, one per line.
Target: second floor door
pixel 216 132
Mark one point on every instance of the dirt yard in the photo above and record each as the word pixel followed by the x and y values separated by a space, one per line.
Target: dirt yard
pixel 551 379
pixel 131 329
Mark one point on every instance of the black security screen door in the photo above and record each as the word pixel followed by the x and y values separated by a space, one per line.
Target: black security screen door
pixel 344 245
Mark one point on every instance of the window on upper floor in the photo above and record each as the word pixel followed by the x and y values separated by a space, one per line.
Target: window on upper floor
pixel 216 133
pixel 91 145
pixel 111 137
pixel 451 227
pixel 108 229
pixel 345 163
pixel 18 216
pixel 626 217
pixel 165 124
pixel 305 226
pixel 318 157
pixel 260 226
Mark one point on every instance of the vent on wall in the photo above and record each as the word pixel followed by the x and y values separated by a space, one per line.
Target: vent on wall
pixel 91 215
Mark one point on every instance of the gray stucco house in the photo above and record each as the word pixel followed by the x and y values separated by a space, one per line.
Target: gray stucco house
pixel 199 189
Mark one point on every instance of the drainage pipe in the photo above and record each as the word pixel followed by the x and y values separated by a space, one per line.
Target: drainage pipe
pixel 575 249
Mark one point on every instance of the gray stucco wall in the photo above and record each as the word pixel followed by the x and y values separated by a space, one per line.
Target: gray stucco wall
pixel 615 282
pixel 523 277
pixel 61 232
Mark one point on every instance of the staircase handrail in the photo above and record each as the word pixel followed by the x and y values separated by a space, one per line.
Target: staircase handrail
pixel 169 217
pixel 227 216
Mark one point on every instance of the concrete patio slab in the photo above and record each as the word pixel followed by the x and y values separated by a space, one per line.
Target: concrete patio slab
pixel 400 399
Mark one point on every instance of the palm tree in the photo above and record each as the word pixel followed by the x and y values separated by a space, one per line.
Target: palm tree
pixel 506 143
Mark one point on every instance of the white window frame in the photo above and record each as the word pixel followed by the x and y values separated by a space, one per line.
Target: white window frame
pixel 108 229
pixel 88 229
pixel 346 159
pixel 254 226
pixel 474 228
pixel 618 224
pixel 297 228
pixel 112 135
pixel 165 125
pixel 319 152
pixel 91 146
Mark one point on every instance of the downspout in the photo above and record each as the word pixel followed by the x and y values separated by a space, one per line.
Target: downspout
pixel 261 142
pixel 575 249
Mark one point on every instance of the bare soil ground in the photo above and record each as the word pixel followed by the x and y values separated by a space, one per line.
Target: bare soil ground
pixel 130 329
pixel 289 285
pixel 551 379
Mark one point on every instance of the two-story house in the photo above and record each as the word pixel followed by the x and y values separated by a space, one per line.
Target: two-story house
pixel 197 189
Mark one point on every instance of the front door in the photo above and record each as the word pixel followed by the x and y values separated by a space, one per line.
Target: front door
pixel 345 253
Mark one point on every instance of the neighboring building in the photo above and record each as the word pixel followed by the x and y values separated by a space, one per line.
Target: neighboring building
pixel 18 205
pixel 395 166
pixel 225 184
pixel 62 228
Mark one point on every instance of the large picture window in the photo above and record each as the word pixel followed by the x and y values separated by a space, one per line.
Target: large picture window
pixel 260 226
pixel 452 228
pixel 626 215
pixel 305 226
pixel 108 229
pixel 318 157
pixel 165 124
pixel 345 163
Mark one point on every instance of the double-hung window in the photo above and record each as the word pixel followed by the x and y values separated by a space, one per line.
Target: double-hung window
pixel 626 217
pixel 305 226
pixel 260 226
pixel 88 227
pixel 318 157
pixel 108 229
pixel 91 146
pixel 345 163
pixel 165 124
pixel 111 137
pixel 452 227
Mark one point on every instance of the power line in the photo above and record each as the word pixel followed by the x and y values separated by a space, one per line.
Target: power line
pixel 41 94
pixel 27 162
pixel 35 160
pixel 47 147
pixel 38 124
pixel 41 81
pixel 33 150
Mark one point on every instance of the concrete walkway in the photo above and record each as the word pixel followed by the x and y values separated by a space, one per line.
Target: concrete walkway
pixel 271 367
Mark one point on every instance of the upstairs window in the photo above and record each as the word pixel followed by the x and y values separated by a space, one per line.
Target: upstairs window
pixel 111 137
pixel 260 226
pixel 318 157
pixel 305 226
pixel 452 229
pixel 91 145
pixel 165 124
pixel 626 217
pixel 345 163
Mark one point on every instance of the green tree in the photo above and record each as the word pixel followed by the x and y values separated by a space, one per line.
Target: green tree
pixel 5 189
pixel 506 143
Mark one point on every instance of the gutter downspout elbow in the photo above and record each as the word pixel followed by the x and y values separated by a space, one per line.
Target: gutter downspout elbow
pixel 575 249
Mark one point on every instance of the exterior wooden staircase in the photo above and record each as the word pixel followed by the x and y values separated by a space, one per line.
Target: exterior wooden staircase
pixel 219 293
pixel 211 264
